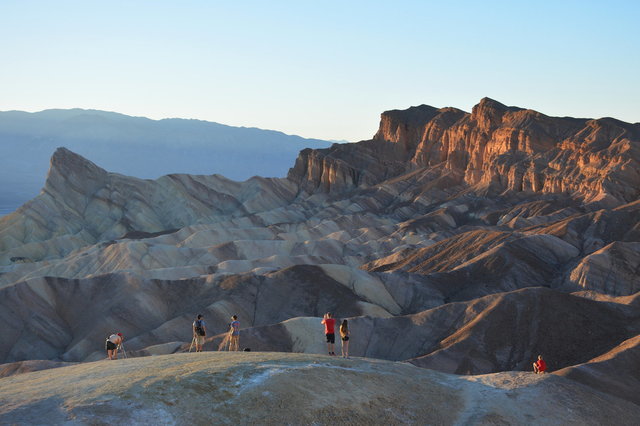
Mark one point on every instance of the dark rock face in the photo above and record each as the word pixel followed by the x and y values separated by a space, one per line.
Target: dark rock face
pixel 614 372
pixel 508 332
pixel 451 239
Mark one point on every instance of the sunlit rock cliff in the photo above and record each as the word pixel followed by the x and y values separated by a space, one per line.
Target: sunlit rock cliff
pixel 495 146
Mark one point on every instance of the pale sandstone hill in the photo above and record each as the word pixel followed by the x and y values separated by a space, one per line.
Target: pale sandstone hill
pixel 82 204
pixel 267 388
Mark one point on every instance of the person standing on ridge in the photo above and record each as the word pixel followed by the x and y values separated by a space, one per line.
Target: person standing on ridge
pixel 234 331
pixel 329 325
pixel 112 344
pixel 344 335
pixel 199 332
pixel 539 366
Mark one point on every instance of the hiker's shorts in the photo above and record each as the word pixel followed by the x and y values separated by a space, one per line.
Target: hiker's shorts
pixel 331 337
pixel 199 340
pixel 110 345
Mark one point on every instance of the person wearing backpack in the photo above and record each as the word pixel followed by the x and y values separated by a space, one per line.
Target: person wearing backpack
pixel 199 332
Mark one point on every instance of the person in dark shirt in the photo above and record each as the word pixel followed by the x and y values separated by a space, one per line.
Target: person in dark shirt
pixel 199 332
pixel 234 332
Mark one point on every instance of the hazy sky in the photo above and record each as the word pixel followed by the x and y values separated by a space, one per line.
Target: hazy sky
pixel 319 69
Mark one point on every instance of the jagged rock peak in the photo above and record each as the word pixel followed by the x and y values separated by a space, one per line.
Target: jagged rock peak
pixel 488 112
pixel 404 126
pixel 64 155
pixel 419 113
pixel 407 126
pixel 491 104
pixel 70 173
pixel 65 162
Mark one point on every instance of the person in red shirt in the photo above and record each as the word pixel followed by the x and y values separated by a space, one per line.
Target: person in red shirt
pixel 329 331
pixel 539 366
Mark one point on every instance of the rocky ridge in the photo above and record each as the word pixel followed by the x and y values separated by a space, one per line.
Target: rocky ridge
pixel 468 231
pixel 297 389
pixel 135 146
pixel 495 147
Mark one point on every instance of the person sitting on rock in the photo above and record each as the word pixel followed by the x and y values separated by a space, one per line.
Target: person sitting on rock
pixel 234 332
pixel 539 366
pixel 329 331
pixel 199 332
pixel 112 344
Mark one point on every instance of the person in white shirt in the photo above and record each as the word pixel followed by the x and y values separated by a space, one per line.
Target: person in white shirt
pixel 112 344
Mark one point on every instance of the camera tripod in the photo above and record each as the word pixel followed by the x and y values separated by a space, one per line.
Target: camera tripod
pixel 121 348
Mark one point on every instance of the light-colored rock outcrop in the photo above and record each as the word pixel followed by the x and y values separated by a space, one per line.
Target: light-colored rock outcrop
pixel 268 388
pixel 82 204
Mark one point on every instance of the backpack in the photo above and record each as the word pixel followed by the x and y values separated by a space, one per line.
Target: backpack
pixel 199 329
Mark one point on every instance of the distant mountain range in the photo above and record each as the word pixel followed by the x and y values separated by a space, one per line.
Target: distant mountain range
pixel 136 146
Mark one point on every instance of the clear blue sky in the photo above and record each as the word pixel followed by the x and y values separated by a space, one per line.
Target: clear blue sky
pixel 319 69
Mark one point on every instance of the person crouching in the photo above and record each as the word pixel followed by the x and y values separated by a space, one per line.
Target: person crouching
pixel 112 344
pixel 539 367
